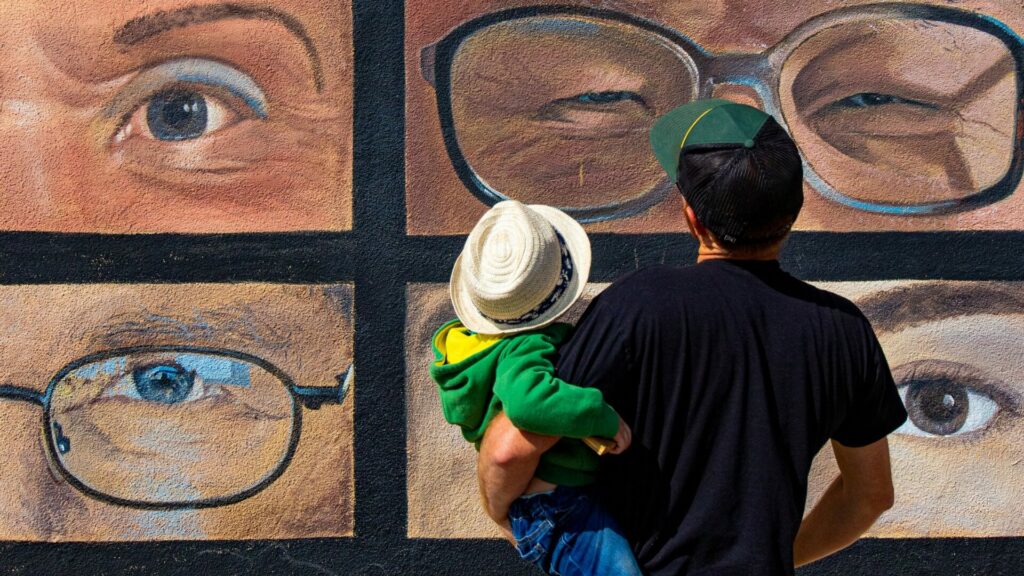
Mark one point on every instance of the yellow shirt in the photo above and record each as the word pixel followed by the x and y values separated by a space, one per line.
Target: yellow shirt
pixel 460 343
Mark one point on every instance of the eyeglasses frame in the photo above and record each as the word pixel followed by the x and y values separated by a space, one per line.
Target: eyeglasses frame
pixel 312 397
pixel 761 72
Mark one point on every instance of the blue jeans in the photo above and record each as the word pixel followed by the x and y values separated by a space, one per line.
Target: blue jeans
pixel 566 533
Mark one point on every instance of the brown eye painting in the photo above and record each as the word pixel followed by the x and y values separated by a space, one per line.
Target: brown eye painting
pixel 956 353
pixel 906 115
pixel 176 116
pixel 956 350
pixel 176 412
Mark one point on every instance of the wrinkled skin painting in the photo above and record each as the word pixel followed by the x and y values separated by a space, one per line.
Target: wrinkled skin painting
pixel 175 116
pixel 956 353
pixel 906 114
pixel 176 412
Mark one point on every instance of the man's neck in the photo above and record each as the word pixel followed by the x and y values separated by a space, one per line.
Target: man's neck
pixel 705 253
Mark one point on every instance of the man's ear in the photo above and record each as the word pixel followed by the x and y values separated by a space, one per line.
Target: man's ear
pixel 696 228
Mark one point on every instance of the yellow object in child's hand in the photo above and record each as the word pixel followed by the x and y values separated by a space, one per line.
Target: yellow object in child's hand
pixel 599 445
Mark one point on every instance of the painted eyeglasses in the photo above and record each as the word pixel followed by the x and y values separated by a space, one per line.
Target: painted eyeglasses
pixel 898 109
pixel 170 427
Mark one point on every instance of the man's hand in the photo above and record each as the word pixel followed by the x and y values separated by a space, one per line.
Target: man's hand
pixel 623 438
pixel 851 504
pixel 507 461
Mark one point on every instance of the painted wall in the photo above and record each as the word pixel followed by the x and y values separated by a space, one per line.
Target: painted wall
pixel 214 215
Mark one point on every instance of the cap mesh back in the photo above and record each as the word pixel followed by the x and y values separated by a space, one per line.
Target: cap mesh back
pixel 745 195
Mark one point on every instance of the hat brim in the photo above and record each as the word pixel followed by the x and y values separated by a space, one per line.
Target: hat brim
pixel 668 131
pixel 576 242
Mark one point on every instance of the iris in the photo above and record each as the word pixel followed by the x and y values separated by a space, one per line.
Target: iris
pixel 938 406
pixel 608 97
pixel 164 383
pixel 177 114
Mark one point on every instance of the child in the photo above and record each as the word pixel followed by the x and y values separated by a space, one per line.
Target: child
pixel 521 269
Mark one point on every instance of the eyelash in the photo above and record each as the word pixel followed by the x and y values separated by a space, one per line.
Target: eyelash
pixel 967 375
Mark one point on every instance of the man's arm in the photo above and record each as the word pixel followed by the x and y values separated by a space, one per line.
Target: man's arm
pixel 507 461
pixel 593 357
pixel 861 493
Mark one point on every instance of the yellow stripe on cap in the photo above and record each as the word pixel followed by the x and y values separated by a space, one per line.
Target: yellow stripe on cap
pixel 692 126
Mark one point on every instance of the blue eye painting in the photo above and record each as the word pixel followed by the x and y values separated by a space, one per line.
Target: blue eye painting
pixel 163 383
pixel 177 115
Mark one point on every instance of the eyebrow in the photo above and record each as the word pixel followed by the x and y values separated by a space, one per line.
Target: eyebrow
pixel 144 27
pixel 236 327
pixel 908 306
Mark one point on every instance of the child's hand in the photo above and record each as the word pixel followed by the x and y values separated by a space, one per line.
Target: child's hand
pixel 623 438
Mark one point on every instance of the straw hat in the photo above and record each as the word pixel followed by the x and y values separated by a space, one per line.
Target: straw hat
pixel 522 268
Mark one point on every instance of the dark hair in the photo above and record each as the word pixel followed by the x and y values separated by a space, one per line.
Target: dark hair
pixel 746 197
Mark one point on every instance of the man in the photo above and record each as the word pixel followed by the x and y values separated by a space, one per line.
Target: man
pixel 732 373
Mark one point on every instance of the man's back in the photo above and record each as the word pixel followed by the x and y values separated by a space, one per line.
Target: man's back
pixel 733 375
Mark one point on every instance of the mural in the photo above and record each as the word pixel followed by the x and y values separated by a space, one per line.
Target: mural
pixel 178 116
pixel 907 114
pixel 192 411
pixel 216 412
pixel 956 352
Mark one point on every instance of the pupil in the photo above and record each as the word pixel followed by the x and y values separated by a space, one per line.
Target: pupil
pixel 177 115
pixel 938 406
pixel 165 384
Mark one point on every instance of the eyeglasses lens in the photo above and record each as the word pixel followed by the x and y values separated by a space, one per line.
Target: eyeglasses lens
pixel 555 110
pixel 170 427
pixel 903 111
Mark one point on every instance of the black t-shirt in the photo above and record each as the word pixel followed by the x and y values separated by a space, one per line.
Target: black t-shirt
pixel 733 375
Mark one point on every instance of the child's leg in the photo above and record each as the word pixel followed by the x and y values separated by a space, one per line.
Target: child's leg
pixel 532 519
pixel 590 543
pixel 567 533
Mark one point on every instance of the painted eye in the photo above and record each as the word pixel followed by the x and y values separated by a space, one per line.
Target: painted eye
pixel 166 383
pixel 175 380
pixel 162 382
pixel 944 399
pixel 184 115
pixel 607 97
pixel 187 99
pixel 179 114
pixel 874 99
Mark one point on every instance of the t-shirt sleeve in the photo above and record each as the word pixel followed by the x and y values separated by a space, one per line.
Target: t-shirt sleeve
pixel 875 409
pixel 598 354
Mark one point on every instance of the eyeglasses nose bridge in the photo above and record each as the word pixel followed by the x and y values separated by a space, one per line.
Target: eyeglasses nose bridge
pixel 428 59
pixel 753 71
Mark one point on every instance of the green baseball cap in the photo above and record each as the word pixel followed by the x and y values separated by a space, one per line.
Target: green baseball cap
pixel 711 123
pixel 741 172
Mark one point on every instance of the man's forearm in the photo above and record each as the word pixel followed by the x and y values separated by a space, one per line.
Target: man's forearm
pixel 508 459
pixel 839 519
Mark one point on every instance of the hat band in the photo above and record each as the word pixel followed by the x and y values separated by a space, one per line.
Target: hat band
pixel 565 277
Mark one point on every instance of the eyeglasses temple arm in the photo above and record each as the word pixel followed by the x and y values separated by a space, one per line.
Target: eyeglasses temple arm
pixel 21 394
pixel 313 397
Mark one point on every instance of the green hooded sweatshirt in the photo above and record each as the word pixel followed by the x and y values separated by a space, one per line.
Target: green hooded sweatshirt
pixel 515 374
